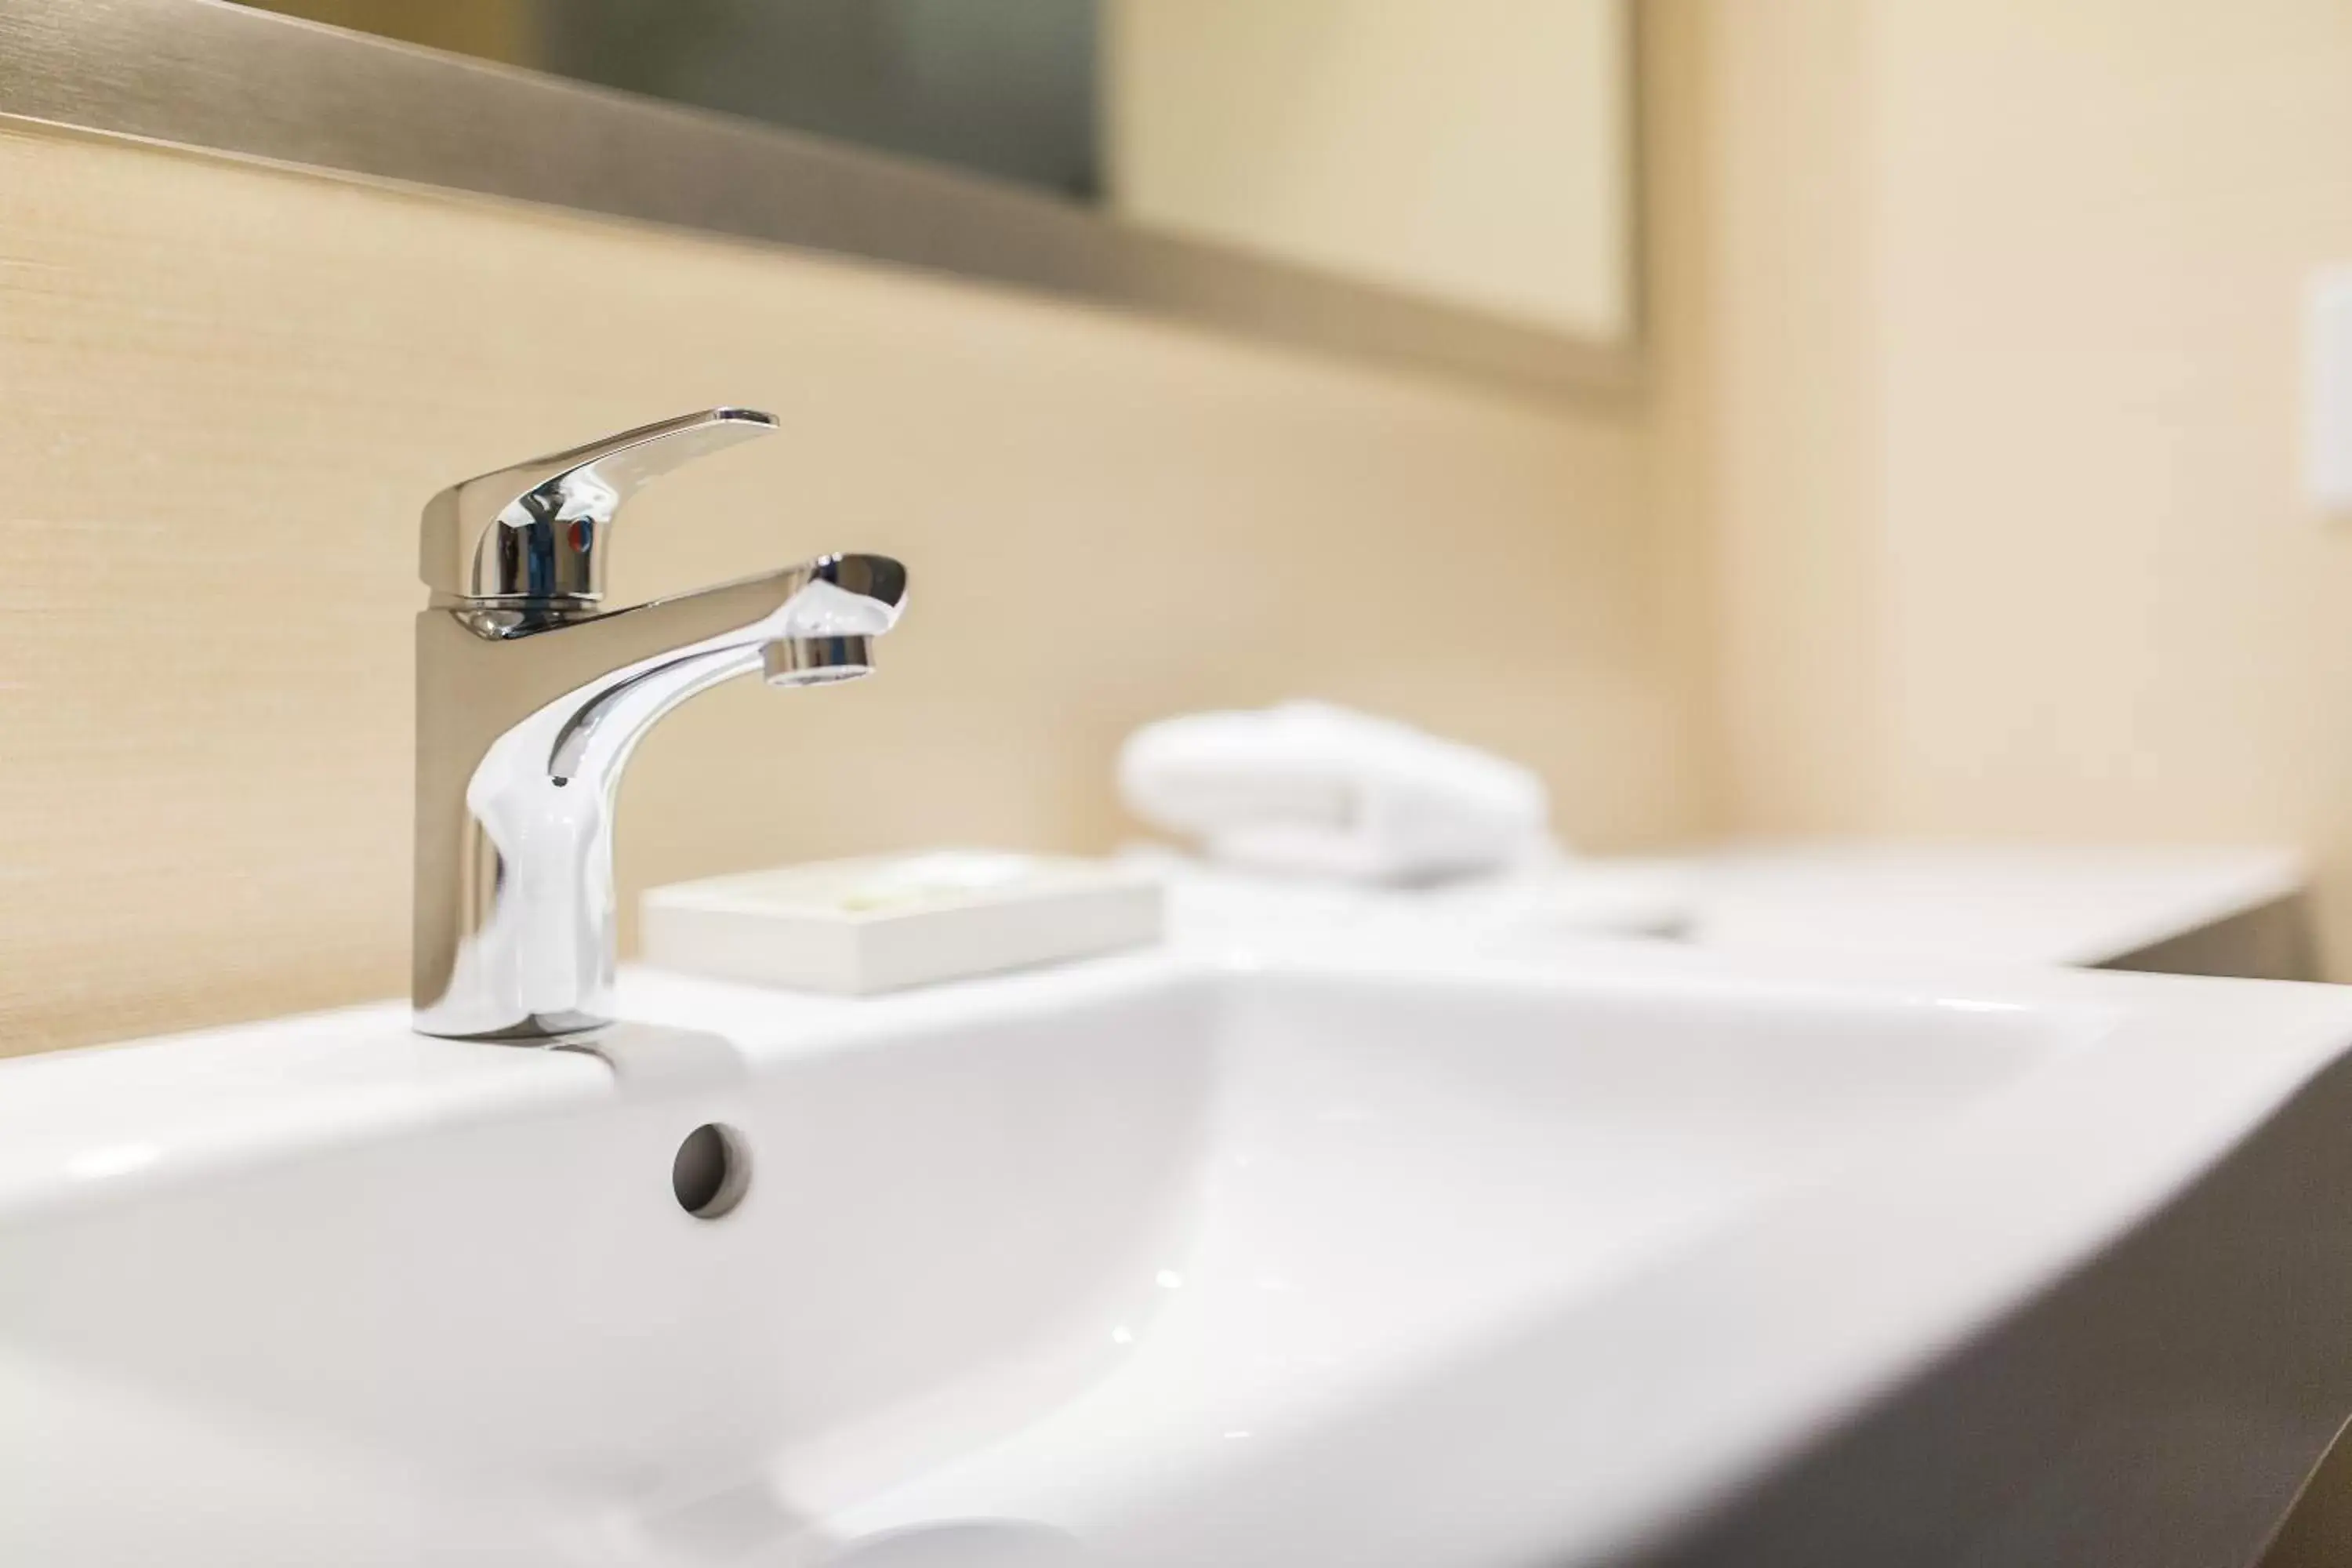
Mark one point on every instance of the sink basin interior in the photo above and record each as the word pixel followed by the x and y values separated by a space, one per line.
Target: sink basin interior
pixel 1394 1169
pixel 1030 1261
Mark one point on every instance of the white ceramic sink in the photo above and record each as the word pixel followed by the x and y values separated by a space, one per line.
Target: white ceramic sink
pixel 1198 1258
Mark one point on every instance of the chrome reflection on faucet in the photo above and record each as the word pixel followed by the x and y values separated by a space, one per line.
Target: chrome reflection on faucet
pixel 530 697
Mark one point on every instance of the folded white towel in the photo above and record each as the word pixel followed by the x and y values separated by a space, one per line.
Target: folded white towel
pixel 1314 790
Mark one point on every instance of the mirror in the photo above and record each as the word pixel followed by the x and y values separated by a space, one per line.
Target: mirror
pixel 1451 183
pixel 1477 151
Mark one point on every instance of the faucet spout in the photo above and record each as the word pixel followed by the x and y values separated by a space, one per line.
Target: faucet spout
pixel 610 676
pixel 527 712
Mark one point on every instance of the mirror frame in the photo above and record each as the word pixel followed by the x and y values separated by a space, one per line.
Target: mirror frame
pixel 209 75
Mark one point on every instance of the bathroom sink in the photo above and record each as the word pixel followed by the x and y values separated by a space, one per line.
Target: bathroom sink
pixel 1197 1256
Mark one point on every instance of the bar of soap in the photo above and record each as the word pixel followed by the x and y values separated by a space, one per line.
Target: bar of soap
pixel 850 927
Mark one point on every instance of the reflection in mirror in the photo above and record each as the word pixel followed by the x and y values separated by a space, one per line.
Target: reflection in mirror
pixel 1476 153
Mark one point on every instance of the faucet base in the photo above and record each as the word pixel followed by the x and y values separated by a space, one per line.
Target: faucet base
pixel 558 1029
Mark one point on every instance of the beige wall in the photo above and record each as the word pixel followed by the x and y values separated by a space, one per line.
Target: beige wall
pixel 2002 365
pixel 1762 337
pixel 224 392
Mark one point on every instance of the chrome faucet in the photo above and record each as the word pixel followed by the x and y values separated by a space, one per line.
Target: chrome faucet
pixel 530 697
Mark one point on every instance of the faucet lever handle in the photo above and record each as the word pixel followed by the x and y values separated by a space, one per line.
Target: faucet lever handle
pixel 531 533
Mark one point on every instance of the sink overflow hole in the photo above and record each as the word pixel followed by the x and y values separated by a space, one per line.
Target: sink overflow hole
pixel 712 1170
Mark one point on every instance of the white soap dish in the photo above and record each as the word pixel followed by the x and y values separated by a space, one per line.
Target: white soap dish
pixel 892 921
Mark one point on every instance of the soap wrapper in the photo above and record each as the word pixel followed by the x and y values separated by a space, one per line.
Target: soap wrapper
pixel 885 923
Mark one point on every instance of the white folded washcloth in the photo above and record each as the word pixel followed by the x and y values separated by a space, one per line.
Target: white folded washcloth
pixel 1314 790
